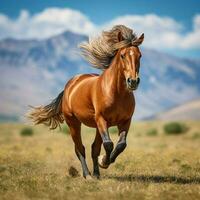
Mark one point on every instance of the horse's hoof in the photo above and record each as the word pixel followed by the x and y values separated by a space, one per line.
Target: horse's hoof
pixel 101 163
pixel 96 175
pixel 88 177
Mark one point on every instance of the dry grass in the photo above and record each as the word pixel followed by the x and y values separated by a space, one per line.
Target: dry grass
pixel 159 167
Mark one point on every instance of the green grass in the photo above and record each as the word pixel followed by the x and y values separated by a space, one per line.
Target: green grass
pixel 26 131
pixel 175 128
pixel 159 167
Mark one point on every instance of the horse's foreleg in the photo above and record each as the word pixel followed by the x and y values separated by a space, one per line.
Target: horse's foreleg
pixel 121 144
pixel 104 160
pixel 96 148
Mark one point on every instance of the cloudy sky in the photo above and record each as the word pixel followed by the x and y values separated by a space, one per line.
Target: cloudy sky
pixel 172 26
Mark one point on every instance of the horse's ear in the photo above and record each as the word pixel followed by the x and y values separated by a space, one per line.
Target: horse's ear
pixel 119 36
pixel 139 40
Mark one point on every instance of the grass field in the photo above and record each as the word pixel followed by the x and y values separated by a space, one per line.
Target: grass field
pixel 154 165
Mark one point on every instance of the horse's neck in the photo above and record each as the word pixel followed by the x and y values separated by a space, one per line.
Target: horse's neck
pixel 114 81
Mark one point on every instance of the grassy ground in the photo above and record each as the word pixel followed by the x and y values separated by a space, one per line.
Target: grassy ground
pixel 154 166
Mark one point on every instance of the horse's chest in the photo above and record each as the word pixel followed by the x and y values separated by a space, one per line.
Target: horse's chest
pixel 118 111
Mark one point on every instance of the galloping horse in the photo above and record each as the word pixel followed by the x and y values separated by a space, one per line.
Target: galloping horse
pixel 99 101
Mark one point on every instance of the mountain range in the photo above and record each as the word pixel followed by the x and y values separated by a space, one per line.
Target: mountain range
pixel 33 72
pixel 187 111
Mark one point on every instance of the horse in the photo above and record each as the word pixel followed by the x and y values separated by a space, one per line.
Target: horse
pixel 99 101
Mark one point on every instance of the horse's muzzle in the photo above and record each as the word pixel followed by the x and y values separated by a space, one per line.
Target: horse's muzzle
pixel 132 84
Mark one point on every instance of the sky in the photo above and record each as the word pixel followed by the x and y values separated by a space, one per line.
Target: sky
pixel 172 26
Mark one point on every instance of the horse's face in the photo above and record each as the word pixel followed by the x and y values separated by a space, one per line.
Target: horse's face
pixel 130 62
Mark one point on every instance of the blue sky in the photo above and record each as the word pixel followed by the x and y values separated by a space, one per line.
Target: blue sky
pixel 184 16
pixel 101 11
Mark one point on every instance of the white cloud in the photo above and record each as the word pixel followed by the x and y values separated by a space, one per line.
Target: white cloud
pixel 160 32
pixel 49 22
pixel 193 38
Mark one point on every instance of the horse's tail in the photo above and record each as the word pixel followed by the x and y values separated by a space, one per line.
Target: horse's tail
pixel 50 115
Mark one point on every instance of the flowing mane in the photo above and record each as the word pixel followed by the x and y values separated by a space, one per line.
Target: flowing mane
pixel 100 51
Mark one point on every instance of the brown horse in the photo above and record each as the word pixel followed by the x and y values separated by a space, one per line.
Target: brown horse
pixel 99 101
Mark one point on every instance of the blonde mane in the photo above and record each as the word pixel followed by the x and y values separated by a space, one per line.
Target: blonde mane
pixel 100 51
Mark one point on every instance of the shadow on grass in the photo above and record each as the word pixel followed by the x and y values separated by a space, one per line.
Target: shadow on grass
pixel 156 179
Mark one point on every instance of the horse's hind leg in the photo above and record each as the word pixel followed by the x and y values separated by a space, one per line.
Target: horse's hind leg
pixel 96 148
pixel 75 131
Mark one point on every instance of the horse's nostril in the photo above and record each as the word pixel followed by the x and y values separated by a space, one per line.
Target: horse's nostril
pixel 129 80
pixel 138 80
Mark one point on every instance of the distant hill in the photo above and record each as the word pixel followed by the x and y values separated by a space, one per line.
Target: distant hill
pixel 187 111
pixel 33 72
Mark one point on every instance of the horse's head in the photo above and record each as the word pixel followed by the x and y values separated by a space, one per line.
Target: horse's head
pixel 130 63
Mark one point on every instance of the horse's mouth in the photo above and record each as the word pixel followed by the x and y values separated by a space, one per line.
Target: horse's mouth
pixel 132 88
